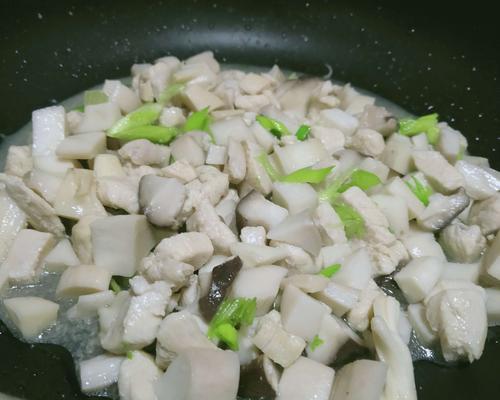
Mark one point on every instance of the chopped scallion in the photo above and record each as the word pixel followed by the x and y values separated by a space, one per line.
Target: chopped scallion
pixel 154 133
pixel 277 128
pixel 198 121
pixel 362 179
pixel 91 97
pixel 316 342
pixel 330 270
pixel 354 225
pixel 130 355
pixel 426 124
pixel 115 287
pixel 307 175
pixel 228 334
pixel 143 116
pixel 421 191
pixel 268 167
pixel 303 132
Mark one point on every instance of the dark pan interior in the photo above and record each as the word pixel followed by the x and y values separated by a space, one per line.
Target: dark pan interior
pixel 438 56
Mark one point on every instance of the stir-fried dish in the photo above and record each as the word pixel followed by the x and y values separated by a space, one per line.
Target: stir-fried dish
pixel 230 231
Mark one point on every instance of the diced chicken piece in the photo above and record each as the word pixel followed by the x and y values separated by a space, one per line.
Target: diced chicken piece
pixel 251 103
pixel 180 170
pixel 368 142
pixel 179 331
pixel 352 101
pixel 457 311
pixel 479 182
pixel 329 223
pixel 396 211
pixel 397 153
pixel 254 254
pixel 156 267
pixel 118 193
pixel 236 166
pixel 61 257
pixel 77 196
pixel 143 152
pixel 206 220
pixel 194 369
pixel 24 260
pixel 295 96
pixel 197 98
pixel 122 95
pixel 400 383
pixel 137 377
pixel 197 74
pixel 215 183
pixel 12 221
pixel 301 314
pixel 88 304
pixel 339 298
pixel 253 235
pixel 306 380
pixel 192 248
pixel 359 316
pixel 486 214
pixel 418 277
pixel 120 242
pixel 347 381
pixel 300 155
pixel 332 139
pixel 419 323
pixel 111 323
pixel 39 213
pixel 81 280
pixel 256 210
pixel 19 161
pixel 85 146
pixel 438 170
pixel 253 83
pixel 379 119
pixel 226 209
pixel 31 315
pixel 442 210
pixel 387 257
pixel 276 343
pixel 462 243
pixel 421 244
pixel 98 117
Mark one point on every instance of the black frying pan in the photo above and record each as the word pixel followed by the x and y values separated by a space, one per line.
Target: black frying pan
pixel 422 55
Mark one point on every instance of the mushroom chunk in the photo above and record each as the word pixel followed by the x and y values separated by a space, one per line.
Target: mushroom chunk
pixel 462 243
pixel 442 210
pixel 161 199
pixel 256 380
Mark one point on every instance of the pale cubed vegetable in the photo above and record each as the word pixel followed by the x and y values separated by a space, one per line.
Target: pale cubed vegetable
pixel 375 167
pixel 31 315
pixel 256 210
pixel 332 138
pixel 418 277
pixel 256 176
pixel 138 376
pixel 88 304
pixel 295 197
pixel 43 183
pixel 336 118
pixel 236 166
pixel 81 280
pixel 308 283
pixel 13 220
pixel 230 129
pixel 85 146
pixel 98 117
pixel 462 272
pixel 491 260
pixel 191 376
pixel 122 95
pixel 365 206
pixel 181 170
pixel 186 148
pixel 19 161
pixel 486 214
pixel 438 170
pixel 253 83
pixel 61 257
pixel 479 182
pixel 216 155
pixel 462 243
pixel 261 283
pixel 397 187
pixel 358 317
pixel 306 379
pixel 24 260
pixel 421 244
pixel 108 165
pixel 301 314
pixel 329 223
pixel 368 142
pixel 339 298
pixel 99 372
pixel 396 211
pixel 300 155
pixel 255 254
pixel 347 381
pixel 355 271
pixel 397 153
pixel 334 254
pixel 49 130
pixel 197 98
pixel 253 235
pixel 120 242
pixel 419 323
pixel 172 116
pixel 451 142
pixel 81 239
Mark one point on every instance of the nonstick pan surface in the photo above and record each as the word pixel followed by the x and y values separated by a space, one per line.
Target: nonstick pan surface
pixel 425 56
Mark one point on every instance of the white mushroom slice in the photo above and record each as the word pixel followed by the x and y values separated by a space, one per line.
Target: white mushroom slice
pixel 300 155
pixel 81 280
pixel 77 196
pixel 400 383
pixel 299 230
pixel 39 213
pixel 339 298
pixel 12 220
pixel 85 146
pixel 31 315
pixel 479 182
pixel 397 187
pixel 418 277
pixel 108 165
pixel 180 170
pixel 329 223
pixel 421 244
pixel 457 310
pixel 186 148
pixel 261 283
pixel 206 220
pixel 301 313
pixel 120 242
pixel 396 211
pixel 137 377
pixel 236 165
pixel 397 154
pixel 332 138
pixel 179 331
pixel 253 254
pixel 295 197
pixel 493 306
pixel 276 343
pixel 442 210
pixel 122 95
pixel 438 170
pixel 306 380
pixel 347 381
pixel 61 257
pixel 191 376
pixel 375 167
pixel 88 304
pixel 359 316
pixel 98 117
pixel 99 372
pixel 462 243
pixel 18 161
pixel 193 248
pixel 253 235
pixel 486 214
pixel 256 210
pixel 307 282
pixel 45 184
pixel 24 261
pixel 368 142
pixel 419 323
pixel 355 271
pixel 118 193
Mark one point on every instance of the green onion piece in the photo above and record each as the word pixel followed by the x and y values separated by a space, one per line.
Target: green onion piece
pixel 268 167
pixel 332 191
pixel 316 342
pixel 303 132
pixel 198 121
pixel 233 312
pixel 354 225
pixel 277 128
pixel 80 108
pixel 362 179
pixel 91 97
pixel 330 270
pixel 170 92
pixel 461 153
pixel 153 133
pixel 307 175
pixel 421 191
pixel 228 334
pixel 144 115
pixel 114 285
pixel 130 355
pixel 427 124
